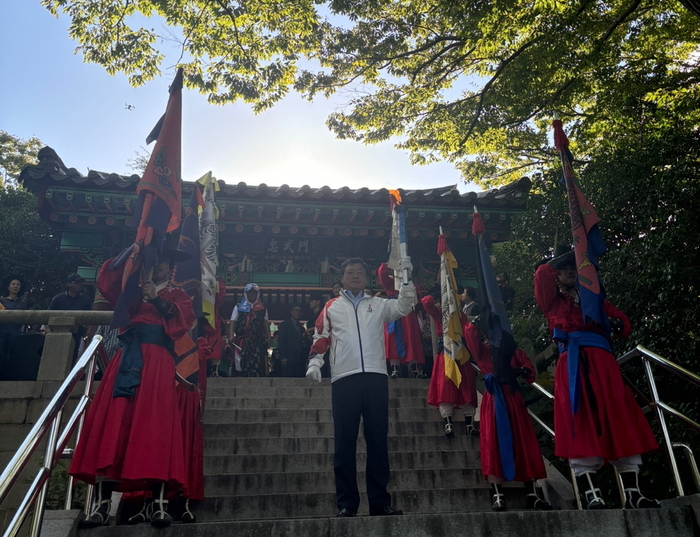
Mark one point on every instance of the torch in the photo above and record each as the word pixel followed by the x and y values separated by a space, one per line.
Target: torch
pixel 399 229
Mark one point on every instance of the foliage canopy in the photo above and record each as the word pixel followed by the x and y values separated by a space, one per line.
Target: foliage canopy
pixel 15 153
pixel 28 246
pixel 475 83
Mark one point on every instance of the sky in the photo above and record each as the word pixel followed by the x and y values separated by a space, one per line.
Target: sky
pixel 97 121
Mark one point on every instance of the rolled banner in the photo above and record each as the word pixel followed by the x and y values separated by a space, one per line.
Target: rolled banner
pixel 398 234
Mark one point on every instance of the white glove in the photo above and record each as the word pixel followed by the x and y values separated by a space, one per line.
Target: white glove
pixel 313 373
pixel 405 263
pixel 409 292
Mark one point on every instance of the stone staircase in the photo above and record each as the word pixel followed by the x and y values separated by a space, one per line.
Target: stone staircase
pixel 269 472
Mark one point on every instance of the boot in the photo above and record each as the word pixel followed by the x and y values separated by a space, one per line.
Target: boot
pixel 499 502
pixel 160 517
pixel 633 497
pixel 101 504
pixel 469 426
pixel 534 500
pixel 449 428
pixel 144 515
pixel 589 492
pixel 187 516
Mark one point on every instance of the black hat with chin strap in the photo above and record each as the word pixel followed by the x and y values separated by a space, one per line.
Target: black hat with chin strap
pixel 564 255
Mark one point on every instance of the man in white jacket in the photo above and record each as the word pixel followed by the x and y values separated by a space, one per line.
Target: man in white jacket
pixel 352 327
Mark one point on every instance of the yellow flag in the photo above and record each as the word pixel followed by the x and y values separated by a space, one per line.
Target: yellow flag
pixel 455 351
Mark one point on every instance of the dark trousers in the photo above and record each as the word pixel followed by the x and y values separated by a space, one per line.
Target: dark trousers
pixel 363 395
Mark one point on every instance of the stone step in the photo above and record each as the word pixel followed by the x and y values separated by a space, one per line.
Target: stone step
pixel 224 443
pixel 676 521
pixel 266 506
pixel 295 403
pixel 315 462
pixel 280 382
pixel 289 415
pixel 323 481
pixel 319 428
pixel 310 390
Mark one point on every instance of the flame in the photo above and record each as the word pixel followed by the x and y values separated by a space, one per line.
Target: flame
pixel 396 195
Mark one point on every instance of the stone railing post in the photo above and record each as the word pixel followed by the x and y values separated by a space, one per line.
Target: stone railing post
pixel 57 356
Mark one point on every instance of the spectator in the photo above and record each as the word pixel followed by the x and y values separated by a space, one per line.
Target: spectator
pixel 12 289
pixel 73 299
pixel 291 345
pixel 352 326
pixel 469 305
pixel 251 328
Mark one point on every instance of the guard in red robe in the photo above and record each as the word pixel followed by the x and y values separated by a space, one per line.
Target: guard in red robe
pixel 403 343
pixel 442 393
pixel 132 438
pixel 607 425
pixel 527 460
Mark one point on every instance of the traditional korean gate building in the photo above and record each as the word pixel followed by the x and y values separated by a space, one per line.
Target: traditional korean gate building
pixel 289 240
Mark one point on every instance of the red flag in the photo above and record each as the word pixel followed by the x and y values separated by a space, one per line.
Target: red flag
pixel 157 210
pixel 588 242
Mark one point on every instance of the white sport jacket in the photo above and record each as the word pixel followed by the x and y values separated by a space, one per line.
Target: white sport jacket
pixel 355 335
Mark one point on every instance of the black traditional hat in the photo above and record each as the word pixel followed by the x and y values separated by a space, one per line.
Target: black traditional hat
pixel 23 284
pixel 563 255
pixel 171 252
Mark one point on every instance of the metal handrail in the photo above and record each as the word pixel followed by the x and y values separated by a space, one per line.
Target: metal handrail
pixel 49 421
pixel 660 408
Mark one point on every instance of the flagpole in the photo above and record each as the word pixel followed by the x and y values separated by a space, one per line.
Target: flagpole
pixel 403 247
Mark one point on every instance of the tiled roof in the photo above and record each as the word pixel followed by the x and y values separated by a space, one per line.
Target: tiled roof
pixel 52 172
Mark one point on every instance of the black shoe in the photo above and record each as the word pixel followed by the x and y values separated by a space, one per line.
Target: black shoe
pixel 499 502
pixel 160 517
pixel 449 428
pixel 98 517
pixel 144 515
pixel 634 499
pixel 534 500
pixel 187 516
pixel 385 510
pixel 345 512
pixel 102 502
pixel 591 497
pixel 469 425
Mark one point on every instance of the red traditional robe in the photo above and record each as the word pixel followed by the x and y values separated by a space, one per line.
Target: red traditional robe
pixel 191 408
pixel 410 329
pixel 442 389
pixel 526 449
pixel 609 422
pixel 138 440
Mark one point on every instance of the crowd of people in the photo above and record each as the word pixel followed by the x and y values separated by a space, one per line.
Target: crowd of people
pixel 143 434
